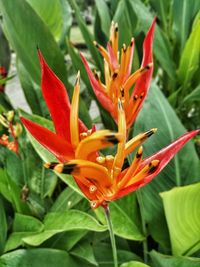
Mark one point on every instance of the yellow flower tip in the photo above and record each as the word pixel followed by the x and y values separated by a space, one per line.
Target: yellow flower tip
pixel 150 132
pixel 139 152
pixel 78 78
pixel 47 165
pixel 113 138
pixel 132 41
pixel 59 167
pixel 96 75
pixel 153 166
pixel 116 27
pixel 148 66
pixel 96 44
pixel 100 159
pixel 115 74
pixel 122 92
pixel 92 189
pixel 124 48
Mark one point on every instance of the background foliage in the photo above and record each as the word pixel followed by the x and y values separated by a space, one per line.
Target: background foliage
pixel 43 218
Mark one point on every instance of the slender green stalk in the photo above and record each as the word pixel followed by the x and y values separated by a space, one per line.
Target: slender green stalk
pixel 112 237
pixel 144 229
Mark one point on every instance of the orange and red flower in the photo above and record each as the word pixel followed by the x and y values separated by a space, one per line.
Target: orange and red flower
pixel 118 78
pixel 100 177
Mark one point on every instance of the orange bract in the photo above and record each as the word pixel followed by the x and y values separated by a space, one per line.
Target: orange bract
pixel 118 78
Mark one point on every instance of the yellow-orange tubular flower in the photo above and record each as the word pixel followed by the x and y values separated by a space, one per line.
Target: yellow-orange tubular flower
pixel 100 177
pixel 118 78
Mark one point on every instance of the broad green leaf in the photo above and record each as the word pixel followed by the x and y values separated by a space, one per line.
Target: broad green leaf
pixel 182 170
pixel 162 11
pixel 66 240
pixel 103 254
pixel 86 35
pixel 25 31
pixel 3 229
pixel 31 90
pixel 193 96
pixel 182 211
pixel 58 222
pixel 4 51
pixel 189 62
pixel 134 264
pixel 160 260
pixel 104 16
pixel 12 192
pixel 55 13
pixel 67 199
pixel 122 216
pixel 43 257
pixel 22 226
pixel 183 14
pixel 161 47
pixel 84 250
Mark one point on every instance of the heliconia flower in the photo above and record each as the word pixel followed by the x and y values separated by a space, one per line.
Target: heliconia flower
pixel 118 78
pixel 104 177
pixel 100 177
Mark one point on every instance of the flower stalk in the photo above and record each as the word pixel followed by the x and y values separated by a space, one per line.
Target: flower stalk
pixel 112 236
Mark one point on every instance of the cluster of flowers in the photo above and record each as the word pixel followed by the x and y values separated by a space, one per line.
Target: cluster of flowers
pixel 102 178
pixel 10 141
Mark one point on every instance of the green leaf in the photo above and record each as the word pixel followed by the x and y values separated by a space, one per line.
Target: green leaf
pixel 3 229
pixel 58 222
pixel 162 11
pixel 86 35
pixel 161 45
pixel 12 192
pixel 134 264
pixel 183 14
pixel 67 199
pixel 189 62
pixel 160 260
pixel 182 170
pixel 103 254
pixel 104 15
pixel 42 257
pixel 84 250
pixel 25 31
pixel 53 15
pixel 4 51
pixel 31 90
pixel 22 226
pixel 122 218
pixel 193 96
pixel 181 206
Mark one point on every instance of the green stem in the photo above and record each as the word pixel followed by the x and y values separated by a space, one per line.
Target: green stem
pixel 144 229
pixel 112 237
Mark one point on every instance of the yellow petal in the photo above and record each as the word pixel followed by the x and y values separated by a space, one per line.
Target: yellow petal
pixel 119 157
pixel 135 76
pixel 96 141
pixel 132 169
pixel 137 140
pixel 151 167
pixel 92 171
pixel 74 129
